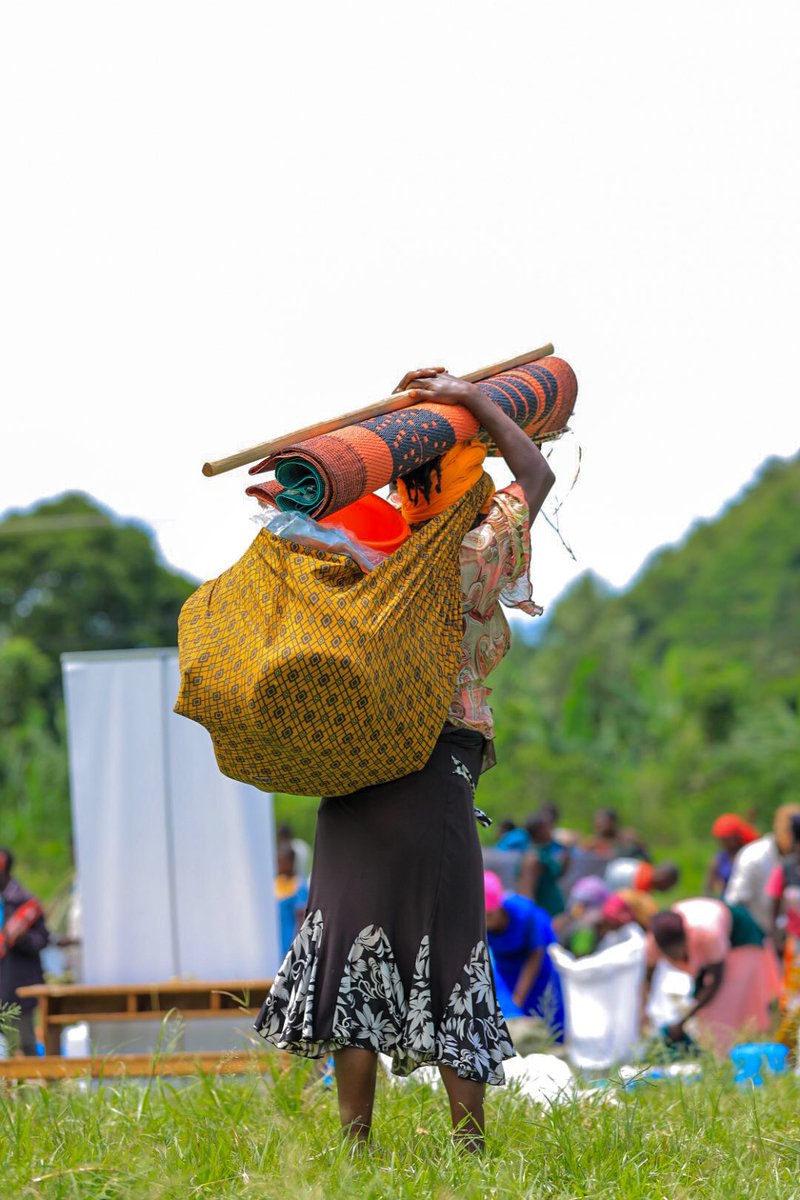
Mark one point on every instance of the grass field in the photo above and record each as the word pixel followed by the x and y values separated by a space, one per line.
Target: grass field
pixel 277 1136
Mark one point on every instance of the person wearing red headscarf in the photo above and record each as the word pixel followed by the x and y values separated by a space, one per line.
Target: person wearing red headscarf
pixel 752 866
pixel 732 833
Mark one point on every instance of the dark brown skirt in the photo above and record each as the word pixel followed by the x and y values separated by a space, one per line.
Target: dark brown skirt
pixel 392 956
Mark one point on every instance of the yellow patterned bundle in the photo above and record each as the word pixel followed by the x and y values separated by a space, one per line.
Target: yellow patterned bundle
pixel 316 679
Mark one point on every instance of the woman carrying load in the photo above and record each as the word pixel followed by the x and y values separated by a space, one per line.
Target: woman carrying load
pixel 392 957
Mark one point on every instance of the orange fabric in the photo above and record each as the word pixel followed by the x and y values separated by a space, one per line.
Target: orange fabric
pixel 643 879
pixel 461 468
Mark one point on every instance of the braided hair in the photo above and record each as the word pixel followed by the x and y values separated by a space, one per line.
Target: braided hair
pixel 420 481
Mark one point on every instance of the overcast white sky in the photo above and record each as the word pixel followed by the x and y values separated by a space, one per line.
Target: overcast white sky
pixel 221 222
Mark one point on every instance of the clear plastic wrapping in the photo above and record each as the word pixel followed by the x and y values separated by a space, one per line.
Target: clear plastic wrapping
pixel 295 527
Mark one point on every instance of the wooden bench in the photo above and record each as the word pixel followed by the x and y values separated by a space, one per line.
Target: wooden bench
pixel 69 1004
pixel 132 1066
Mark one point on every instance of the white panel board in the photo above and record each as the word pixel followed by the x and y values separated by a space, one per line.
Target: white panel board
pixel 116 752
pixel 224 858
pixel 175 861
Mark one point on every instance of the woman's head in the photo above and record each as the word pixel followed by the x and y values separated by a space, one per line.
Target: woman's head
pixel 641 904
pixel 664 877
pixel 496 916
pixel 587 895
pixel 585 900
pixel 423 480
pixel 606 822
pixel 732 832
pixel 286 858
pixel 539 827
pixel 615 913
pixel 669 932
pixel 796 831
pixel 782 826
pixel 432 487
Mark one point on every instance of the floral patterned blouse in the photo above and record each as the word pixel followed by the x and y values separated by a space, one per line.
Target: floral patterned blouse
pixel 495 561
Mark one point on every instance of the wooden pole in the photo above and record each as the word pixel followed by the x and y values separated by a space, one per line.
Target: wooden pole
pixel 390 404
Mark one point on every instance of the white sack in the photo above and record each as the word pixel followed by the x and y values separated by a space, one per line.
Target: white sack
pixel 602 1000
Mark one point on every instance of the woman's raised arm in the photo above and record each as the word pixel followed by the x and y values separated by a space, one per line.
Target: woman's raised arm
pixel 525 459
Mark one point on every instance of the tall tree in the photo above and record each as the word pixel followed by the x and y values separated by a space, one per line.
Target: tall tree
pixel 75 577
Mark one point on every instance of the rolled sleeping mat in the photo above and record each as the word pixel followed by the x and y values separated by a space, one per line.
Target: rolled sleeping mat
pixel 328 472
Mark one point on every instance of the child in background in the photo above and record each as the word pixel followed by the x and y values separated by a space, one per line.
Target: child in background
pixel 291 895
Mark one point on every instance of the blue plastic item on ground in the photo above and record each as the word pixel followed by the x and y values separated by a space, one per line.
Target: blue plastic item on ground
pixel 777 1057
pixel 752 1058
pixel 328 1072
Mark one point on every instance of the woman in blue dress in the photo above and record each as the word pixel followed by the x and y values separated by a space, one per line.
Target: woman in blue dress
pixel 519 934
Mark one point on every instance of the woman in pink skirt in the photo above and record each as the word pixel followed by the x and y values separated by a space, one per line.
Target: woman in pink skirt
pixel 735 973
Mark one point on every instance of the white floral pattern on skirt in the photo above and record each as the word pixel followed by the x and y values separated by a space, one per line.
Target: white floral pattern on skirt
pixel 372 1012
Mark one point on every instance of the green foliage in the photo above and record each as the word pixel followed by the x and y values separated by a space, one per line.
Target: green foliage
pixel 73 577
pixel 673 701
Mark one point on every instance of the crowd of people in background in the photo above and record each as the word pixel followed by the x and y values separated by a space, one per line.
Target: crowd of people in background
pixel 546 884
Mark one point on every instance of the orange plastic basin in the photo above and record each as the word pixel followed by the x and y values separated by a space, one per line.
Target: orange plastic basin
pixel 372 521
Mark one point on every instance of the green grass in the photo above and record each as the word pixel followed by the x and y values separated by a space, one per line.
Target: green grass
pixel 277 1136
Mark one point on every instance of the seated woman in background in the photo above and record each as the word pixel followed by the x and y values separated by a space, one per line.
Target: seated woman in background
pixel 519 933
pixel 736 976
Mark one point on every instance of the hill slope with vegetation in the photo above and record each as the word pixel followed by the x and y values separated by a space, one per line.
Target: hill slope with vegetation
pixel 673 700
